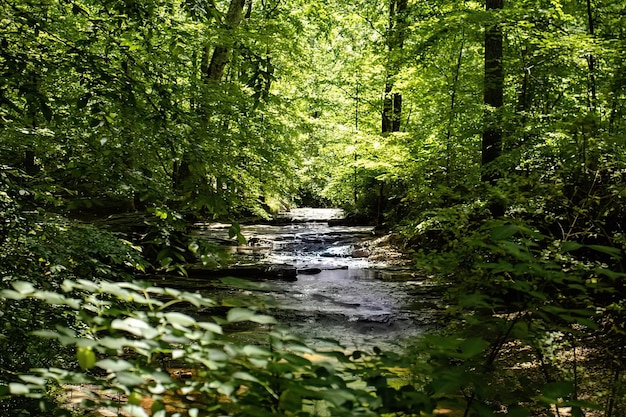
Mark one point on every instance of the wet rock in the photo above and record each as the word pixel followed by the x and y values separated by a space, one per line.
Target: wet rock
pixel 352 220
pixel 284 272
pixel 321 297
pixel 251 272
pixel 360 253
pixel 342 251
pixel 309 271
pixel 255 241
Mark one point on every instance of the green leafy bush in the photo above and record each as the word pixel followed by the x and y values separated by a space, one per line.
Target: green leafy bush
pixel 527 321
pixel 132 343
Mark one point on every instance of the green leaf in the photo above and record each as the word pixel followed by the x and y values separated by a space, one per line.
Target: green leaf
pixel 114 365
pixel 473 346
pixel 180 319
pixel 263 319
pixel 609 274
pixel 290 401
pixel 475 300
pixel 129 379
pixel 515 249
pixel 48 334
pixel 88 343
pixel 136 327
pixel 609 250
pixel 193 247
pixel 235 231
pixel 518 412
pixel 132 410
pixel 338 397
pixel 504 232
pixel 166 261
pixel 296 360
pixel 18 389
pixel 12 295
pixel 86 357
pixel 32 379
pixel 238 314
pixel 567 246
pixel 211 327
pixel 242 283
pixel 558 390
pixel 23 287
pixel 253 350
pixel 245 376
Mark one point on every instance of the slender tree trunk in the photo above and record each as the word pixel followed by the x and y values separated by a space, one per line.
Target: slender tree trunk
pixel 387 115
pixel 31 113
pixel 451 117
pixel 589 128
pixel 591 62
pixel 392 102
pixel 397 112
pixel 493 95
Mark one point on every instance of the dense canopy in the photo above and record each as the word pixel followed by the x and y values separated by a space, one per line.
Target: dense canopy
pixel 489 136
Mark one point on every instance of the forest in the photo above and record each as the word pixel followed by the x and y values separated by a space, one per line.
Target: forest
pixel 489 137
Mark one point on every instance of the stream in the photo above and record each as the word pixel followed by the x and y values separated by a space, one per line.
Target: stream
pixel 332 285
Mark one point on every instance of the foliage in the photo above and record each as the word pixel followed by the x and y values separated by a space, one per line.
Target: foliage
pixel 519 297
pixel 134 343
pixel 106 107
pixel 109 108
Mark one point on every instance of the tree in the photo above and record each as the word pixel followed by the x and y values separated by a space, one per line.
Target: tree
pixel 396 34
pixel 215 67
pixel 493 93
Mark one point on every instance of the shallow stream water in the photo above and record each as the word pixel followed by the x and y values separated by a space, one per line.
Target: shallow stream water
pixel 338 292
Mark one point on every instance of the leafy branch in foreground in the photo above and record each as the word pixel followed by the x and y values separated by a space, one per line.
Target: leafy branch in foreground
pixel 139 355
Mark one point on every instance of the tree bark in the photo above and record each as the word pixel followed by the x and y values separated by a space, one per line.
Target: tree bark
pixel 213 71
pixel 387 115
pixel 591 62
pixel 397 112
pixel 453 92
pixel 493 95
pixel 392 102
pixel 222 52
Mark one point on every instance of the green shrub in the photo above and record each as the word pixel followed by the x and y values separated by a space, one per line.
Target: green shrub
pixel 130 335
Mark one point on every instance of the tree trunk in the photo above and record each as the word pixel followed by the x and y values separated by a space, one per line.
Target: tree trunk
pixel 392 102
pixel 387 116
pixel 397 112
pixel 453 92
pixel 591 62
pixel 221 53
pixel 493 96
pixel 213 71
